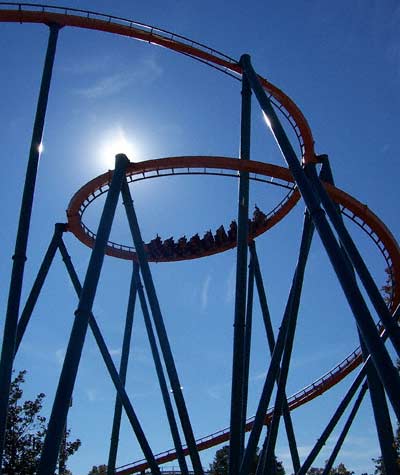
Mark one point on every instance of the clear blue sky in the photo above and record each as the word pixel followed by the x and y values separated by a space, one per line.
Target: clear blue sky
pixel 339 61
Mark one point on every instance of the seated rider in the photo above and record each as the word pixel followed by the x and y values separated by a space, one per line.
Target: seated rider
pixel 208 240
pixel 258 217
pixel 195 244
pixel 181 246
pixel 155 247
pixel 220 236
pixel 169 247
pixel 232 231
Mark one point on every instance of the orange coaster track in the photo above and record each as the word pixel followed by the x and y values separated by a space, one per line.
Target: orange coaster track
pixel 64 16
pixel 349 206
pixel 219 166
pixel 359 213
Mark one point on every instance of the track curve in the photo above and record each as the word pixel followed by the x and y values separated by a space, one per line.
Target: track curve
pixel 386 243
pixel 64 16
pixel 72 17
pixel 155 168
pixel 358 212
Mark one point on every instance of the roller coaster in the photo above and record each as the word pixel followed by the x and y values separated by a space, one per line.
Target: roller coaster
pixel 301 182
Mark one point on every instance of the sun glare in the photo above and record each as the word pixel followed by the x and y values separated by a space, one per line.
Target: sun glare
pixel 266 118
pixel 116 142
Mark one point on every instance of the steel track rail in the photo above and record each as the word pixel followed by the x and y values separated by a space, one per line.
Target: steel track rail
pixel 65 16
pixel 177 166
pixel 360 214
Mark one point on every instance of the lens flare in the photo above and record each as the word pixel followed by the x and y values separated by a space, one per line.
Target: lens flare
pixel 117 142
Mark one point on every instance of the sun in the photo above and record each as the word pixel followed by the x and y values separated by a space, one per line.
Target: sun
pixel 115 142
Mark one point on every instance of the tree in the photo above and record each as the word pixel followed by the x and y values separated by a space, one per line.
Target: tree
pixel 98 470
pixel 279 467
pixel 379 468
pixel 220 465
pixel 339 470
pixel 26 430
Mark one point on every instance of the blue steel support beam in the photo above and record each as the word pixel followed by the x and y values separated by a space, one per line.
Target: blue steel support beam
pixel 341 408
pixel 122 394
pixel 38 284
pixel 51 447
pixel 382 421
pixel 292 307
pixel 161 378
pixel 382 417
pixel 236 416
pixel 21 244
pixel 161 330
pixel 376 391
pixel 356 259
pixel 360 378
pixel 345 430
pixel 379 354
pixel 247 343
pixel 261 466
pixel 272 375
pixel 271 342
pixel 333 421
pixel 123 368
pixel 119 386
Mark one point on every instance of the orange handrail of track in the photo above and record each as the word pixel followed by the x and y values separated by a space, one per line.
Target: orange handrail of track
pixel 341 370
pixel 339 196
pixel 98 185
pixel 45 14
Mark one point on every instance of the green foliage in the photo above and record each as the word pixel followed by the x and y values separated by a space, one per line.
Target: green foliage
pixel 379 468
pixel 26 430
pixel 279 467
pixel 220 465
pixel 98 470
pixel 339 470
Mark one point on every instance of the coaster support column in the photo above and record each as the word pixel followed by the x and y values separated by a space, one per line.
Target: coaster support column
pixel 271 342
pixel 236 418
pixel 292 307
pixel 123 396
pixel 376 391
pixel 271 377
pixel 161 330
pixel 51 447
pixel 343 434
pixel 356 259
pixel 247 343
pixel 123 367
pixel 379 354
pixel 21 244
pixel 161 378
pixel 38 284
